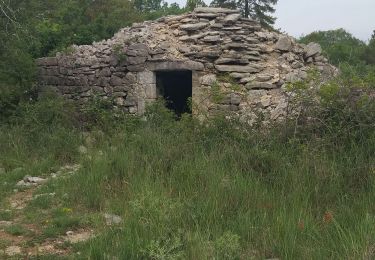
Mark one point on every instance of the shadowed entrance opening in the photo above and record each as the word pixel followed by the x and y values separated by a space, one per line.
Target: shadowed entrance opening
pixel 176 88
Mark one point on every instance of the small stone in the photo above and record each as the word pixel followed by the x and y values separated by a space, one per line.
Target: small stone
pixel 232 18
pixel 212 39
pixel 78 237
pixel 5 223
pixel 120 101
pixel 263 77
pixel 247 79
pixel 193 26
pixel 22 183
pixel 208 79
pixel 265 101
pixel 36 180
pixel 82 149
pixel 13 251
pixel 235 99
pixel 296 76
pixel 112 219
pixel 237 75
pixel 45 195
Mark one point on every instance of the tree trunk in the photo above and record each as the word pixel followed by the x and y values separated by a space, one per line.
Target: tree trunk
pixel 247 11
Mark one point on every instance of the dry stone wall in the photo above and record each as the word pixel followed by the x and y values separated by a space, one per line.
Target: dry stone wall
pixel 237 65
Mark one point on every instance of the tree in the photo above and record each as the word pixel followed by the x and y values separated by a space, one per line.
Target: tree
pixel 231 4
pixel 256 9
pixel 369 53
pixel 339 46
pixel 192 4
pixel 259 9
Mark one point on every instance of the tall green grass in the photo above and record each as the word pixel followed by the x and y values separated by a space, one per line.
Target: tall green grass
pixel 218 190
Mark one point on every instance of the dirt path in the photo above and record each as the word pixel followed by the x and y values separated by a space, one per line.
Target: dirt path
pixel 18 237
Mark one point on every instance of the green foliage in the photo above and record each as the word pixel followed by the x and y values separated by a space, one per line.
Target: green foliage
pixel 228 246
pixel 192 4
pixel 217 94
pixel 303 189
pixel 119 52
pixel 256 9
pixel 62 220
pixel 341 108
pixel 220 190
pixel 166 249
pixel 16 230
pixel 369 52
pixel 338 45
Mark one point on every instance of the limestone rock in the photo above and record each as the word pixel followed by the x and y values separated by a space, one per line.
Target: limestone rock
pixel 237 75
pixel 112 219
pixel 312 49
pixel 138 49
pixel 232 18
pixel 263 77
pixel 30 181
pixel 13 251
pixel 193 26
pixel 136 60
pixel 265 101
pixel 284 43
pixel 116 81
pixel 237 68
pixel 215 10
pixel 82 149
pixel 213 39
pixel 296 76
pixel 208 79
pixel 78 237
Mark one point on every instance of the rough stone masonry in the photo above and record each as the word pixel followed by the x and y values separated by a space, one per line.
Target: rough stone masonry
pixel 247 64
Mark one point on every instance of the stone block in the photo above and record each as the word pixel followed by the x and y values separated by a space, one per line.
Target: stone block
pixel 237 68
pixel 146 77
pixel 215 10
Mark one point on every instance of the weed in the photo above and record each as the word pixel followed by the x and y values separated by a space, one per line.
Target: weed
pixel 17 230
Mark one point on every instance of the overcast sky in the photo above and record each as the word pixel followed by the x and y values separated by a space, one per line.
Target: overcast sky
pixel 298 17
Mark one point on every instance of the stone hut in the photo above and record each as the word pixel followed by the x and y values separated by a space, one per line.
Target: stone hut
pixel 211 56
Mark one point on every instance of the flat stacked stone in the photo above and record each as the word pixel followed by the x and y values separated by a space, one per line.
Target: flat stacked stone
pixel 211 41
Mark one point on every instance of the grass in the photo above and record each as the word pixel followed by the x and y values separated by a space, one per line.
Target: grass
pixel 190 191
pixel 17 230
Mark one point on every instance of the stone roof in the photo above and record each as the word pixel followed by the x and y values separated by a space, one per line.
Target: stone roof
pixel 211 40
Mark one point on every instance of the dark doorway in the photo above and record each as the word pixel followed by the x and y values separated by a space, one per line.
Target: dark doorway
pixel 176 88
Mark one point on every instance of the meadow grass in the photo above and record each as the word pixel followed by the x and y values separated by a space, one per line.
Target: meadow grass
pixel 187 190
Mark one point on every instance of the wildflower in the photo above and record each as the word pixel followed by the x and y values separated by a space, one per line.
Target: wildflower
pixel 67 210
pixel 327 217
